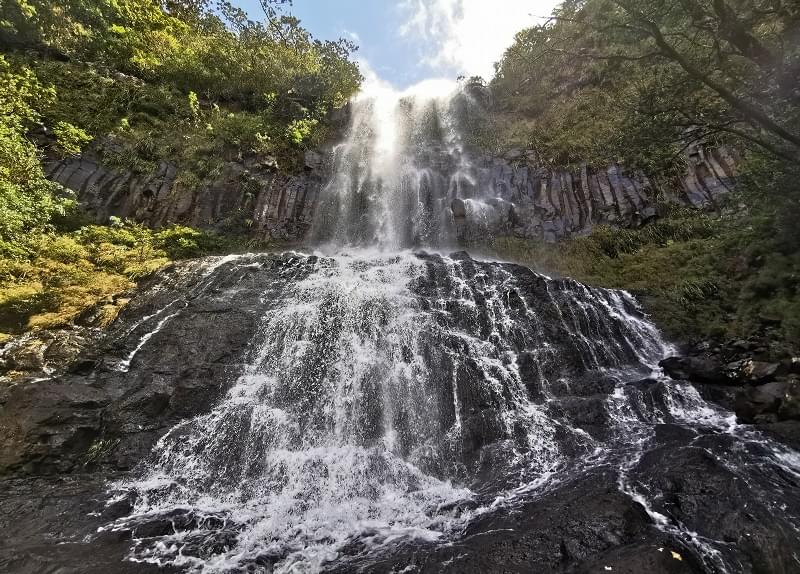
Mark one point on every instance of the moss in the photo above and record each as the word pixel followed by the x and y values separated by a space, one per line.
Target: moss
pixel 99 449
pixel 74 270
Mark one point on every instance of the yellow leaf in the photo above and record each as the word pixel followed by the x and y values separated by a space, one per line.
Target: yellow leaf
pixel 676 556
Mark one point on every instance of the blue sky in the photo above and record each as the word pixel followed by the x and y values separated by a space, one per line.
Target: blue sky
pixel 406 41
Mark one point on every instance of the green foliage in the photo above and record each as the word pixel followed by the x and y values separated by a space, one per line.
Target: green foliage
pixel 680 224
pixel 299 130
pixel 66 272
pixel 27 199
pixel 618 80
pixel 180 81
pixel 98 450
pixel 212 55
pixel 194 105
pixel 148 81
pixel 69 138
pixel 637 82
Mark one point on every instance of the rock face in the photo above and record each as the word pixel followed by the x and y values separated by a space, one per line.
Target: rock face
pixel 251 193
pixel 514 197
pixel 100 409
pixel 491 195
pixel 484 418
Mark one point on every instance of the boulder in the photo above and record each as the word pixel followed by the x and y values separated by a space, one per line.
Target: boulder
pixel 459 208
pixel 43 352
pixel 771 402
pixel 789 409
pixel 791 365
pixel 754 404
pixel 697 370
pixel 753 372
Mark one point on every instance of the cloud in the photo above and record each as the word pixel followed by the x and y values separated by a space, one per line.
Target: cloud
pixel 468 36
pixel 352 35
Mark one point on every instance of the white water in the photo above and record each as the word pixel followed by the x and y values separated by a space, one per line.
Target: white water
pixel 398 170
pixel 332 433
pixel 306 475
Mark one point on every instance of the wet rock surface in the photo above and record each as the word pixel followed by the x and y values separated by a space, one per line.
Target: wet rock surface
pixel 40 353
pixel 587 526
pixel 646 470
pixel 49 525
pixel 516 196
pixel 760 385
pixel 114 400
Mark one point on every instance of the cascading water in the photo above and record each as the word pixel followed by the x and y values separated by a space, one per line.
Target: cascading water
pixel 398 171
pixel 393 400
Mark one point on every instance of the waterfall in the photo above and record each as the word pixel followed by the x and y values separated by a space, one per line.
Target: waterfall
pixel 397 172
pixel 393 393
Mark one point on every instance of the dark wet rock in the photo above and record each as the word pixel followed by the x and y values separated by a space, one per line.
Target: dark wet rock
pixel 580 527
pixel 737 362
pixel 723 395
pixel 517 196
pixel 754 404
pixel 99 412
pixel 314 160
pixel 118 508
pixel 554 204
pixel 787 431
pixel 459 208
pixel 50 525
pixel 744 376
pixel 789 409
pixel 774 402
pixel 278 204
pixel 753 372
pixel 36 354
pixel 688 483
pixel 697 369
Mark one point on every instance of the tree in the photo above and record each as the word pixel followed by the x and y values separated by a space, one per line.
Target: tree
pixel 659 74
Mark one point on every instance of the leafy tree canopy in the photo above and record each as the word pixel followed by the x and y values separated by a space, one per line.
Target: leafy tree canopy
pixel 638 81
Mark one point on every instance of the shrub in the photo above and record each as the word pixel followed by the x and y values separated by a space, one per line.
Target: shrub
pixel 69 138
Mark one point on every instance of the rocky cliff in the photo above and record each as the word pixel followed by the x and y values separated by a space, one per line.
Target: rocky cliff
pixel 506 195
pixel 552 204
pixel 252 192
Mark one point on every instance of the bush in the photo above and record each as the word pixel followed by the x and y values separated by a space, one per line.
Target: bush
pixel 64 273
pixel 27 199
pixel 70 139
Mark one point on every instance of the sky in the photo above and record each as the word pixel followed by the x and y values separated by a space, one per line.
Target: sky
pixel 406 41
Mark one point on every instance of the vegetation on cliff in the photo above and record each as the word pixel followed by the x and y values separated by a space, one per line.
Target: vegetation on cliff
pixel 638 83
pixel 142 81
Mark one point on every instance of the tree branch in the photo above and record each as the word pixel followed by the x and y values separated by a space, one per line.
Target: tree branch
pixel 749 110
